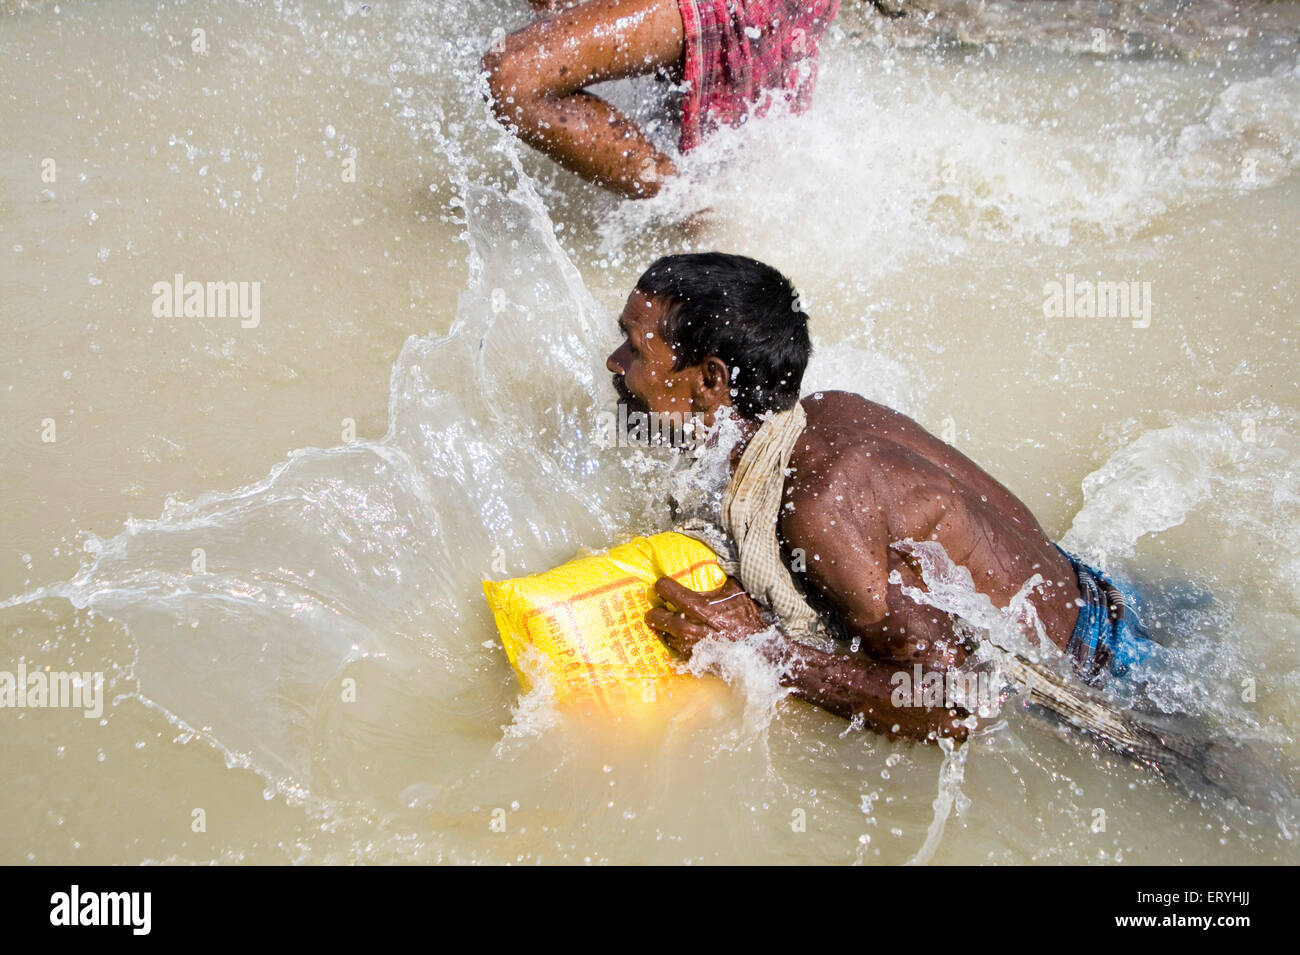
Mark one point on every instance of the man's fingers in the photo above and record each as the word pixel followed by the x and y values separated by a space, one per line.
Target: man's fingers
pixel 681 597
pixel 699 606
pixel 665 621
pixel 685 632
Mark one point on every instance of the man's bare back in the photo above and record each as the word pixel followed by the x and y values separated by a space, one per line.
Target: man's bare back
pixel 865 478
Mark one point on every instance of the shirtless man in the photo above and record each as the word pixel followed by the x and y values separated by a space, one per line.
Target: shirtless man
pixel 710 330
pixel 733 55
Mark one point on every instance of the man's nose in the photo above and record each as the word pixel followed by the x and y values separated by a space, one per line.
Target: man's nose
pixel 612 363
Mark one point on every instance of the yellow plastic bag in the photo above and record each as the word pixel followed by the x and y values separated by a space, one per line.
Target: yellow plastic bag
pixel 585 620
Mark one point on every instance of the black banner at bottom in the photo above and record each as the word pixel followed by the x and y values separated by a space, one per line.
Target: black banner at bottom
pixel 301 904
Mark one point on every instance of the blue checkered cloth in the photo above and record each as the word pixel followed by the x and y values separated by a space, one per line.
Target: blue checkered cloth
pixel 1109 638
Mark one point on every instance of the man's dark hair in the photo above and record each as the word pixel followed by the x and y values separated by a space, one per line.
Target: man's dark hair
pixel 742 311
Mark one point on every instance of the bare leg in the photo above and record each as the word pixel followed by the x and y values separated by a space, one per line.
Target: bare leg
pixel 537 81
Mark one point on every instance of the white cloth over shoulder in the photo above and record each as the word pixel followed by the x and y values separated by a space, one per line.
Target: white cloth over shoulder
pixel 751 508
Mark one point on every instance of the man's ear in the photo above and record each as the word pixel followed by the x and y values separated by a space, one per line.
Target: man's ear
pixel 714 384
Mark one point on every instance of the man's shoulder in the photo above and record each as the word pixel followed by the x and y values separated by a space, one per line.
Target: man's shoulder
pixel 821 403
pixel 843 428
pixel 848 444
pixel 844 412
pixel 838 459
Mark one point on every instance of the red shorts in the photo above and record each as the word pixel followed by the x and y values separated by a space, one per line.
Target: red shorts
pixel 742 53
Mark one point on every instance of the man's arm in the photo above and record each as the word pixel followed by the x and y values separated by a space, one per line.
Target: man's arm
pixel 845 684
pixel 850 685
pixel 538 78
pixel 838 525
pixel 839 531
pixel 549 6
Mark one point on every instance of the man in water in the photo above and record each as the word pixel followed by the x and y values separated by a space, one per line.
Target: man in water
pixel 847 481
pixel 734 56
